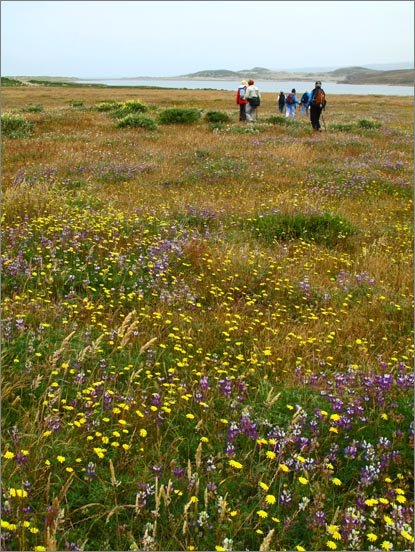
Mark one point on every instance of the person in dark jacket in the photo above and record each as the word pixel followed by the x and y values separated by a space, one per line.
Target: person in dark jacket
pixel 317 104
pixel 281 102
pixel 241 100
pixel 305 100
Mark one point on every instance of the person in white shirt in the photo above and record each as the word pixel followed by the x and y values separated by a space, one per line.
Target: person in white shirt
pixel 251 92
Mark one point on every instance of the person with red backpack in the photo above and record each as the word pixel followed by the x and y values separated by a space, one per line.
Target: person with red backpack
pixel 241 100
pixel 317 104
pixel 290 104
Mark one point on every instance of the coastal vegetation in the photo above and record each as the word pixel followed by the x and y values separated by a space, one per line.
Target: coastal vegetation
pixel 207 326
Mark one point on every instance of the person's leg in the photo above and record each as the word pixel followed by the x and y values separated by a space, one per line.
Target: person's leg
pixel 242 112
pixel 249 113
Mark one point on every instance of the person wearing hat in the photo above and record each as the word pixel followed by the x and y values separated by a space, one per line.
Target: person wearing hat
pixel 317 104
pixel 241 100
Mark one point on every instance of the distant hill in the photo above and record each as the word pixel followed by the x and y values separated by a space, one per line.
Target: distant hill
pixel 345 75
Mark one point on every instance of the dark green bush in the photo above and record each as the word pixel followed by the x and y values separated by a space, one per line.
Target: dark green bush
pixel 217 117
pixel 326 229
pixel 135 121
pixel 173 116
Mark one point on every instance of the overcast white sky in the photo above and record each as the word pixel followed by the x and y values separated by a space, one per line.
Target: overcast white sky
pixel 111 39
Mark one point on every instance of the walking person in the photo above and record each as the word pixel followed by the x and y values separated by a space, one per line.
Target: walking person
pixel 241 100
pixel 305 100
pixel 317 104
pixel 281 102
pixel 290 104
pixel 253 96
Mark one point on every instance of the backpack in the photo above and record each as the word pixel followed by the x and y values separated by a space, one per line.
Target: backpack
pixel 289 99
pixel 242 91
pixel 319 97
pixel 304 98
pixel 254 101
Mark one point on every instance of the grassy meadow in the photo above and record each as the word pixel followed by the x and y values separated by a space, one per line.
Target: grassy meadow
pixel 207 326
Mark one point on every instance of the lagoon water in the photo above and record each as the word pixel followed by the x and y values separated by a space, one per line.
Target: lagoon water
pixel 264 86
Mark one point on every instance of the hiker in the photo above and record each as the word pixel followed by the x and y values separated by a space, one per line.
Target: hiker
pixel 305 100
pixel 290 104
pixel 253 96
pixel 281 102
pixel 241 100
pixel 317 104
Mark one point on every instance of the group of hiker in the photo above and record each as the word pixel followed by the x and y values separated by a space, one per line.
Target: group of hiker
pixel 248 97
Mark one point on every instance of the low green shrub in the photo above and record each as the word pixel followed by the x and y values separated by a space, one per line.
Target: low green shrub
pixel 76 103
pixel 136 121
pixel 107 106
pixel 342 127
pixel 174 115
pixel 217 117
pixel 368 123
pixel 277 120
pixel 326 229
pixel 128 108
pixel 216 126
pixel 33 108
pixel 14 125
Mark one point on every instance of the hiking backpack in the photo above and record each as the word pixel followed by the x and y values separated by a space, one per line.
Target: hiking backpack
pixel 289 99
pixel 254 101
pixel 319 97
pixel 304 98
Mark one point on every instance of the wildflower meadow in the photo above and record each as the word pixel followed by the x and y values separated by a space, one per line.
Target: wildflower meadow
pixel 207 326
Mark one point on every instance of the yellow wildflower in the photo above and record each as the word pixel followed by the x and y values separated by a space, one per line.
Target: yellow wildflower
pixel 336 481
pixel 270 454
pixel 20 493
pixel 332 545
pixel 270 499
pixel 371 537
pixel 262 513
pixel 303 480
pixel 407 536
pixel 235 464
pixel 9 455
pixel 263 485
pixel 284 468
pixel 61 459
pixel 386 545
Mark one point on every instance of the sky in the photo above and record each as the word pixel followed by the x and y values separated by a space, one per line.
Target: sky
pixel 114 39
